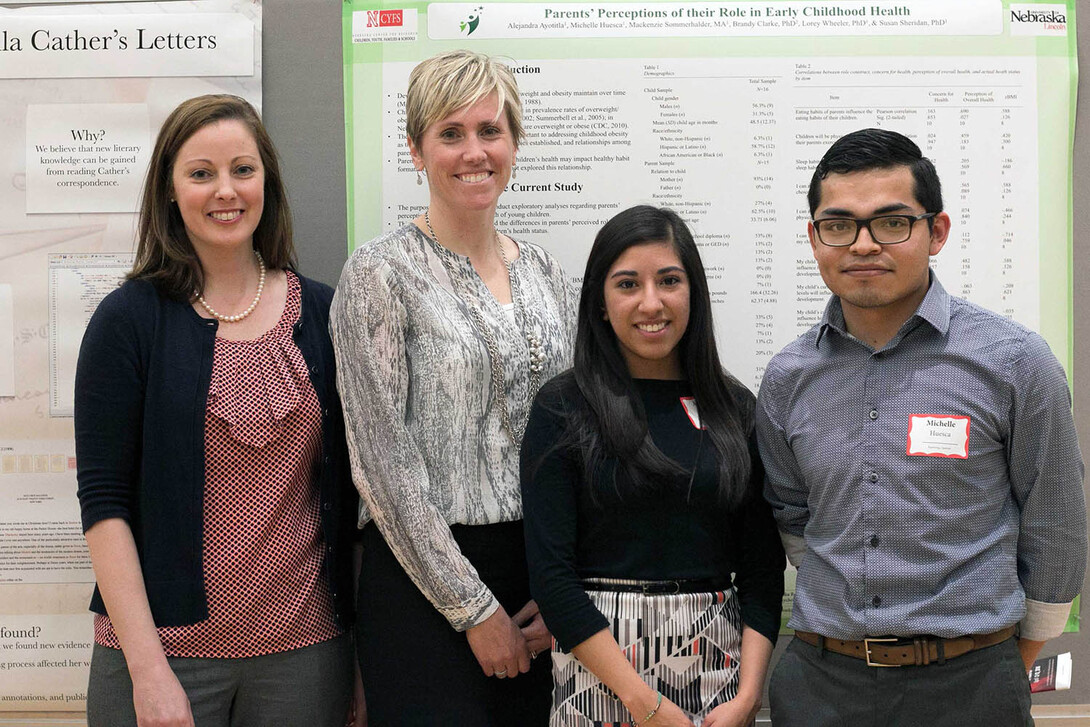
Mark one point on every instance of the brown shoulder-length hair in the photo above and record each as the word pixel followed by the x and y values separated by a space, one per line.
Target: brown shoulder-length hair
pixel 164 253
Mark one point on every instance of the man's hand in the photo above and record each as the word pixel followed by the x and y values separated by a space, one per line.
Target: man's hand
pixel 1030 650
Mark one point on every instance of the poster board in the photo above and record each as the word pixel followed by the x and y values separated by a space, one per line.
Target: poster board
pixel 721 110
pixel 304 64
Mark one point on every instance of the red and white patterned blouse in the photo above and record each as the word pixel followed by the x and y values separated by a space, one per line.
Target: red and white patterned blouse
pixel 262 534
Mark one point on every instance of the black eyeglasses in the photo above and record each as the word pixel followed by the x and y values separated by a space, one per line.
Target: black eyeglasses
pixel 883 229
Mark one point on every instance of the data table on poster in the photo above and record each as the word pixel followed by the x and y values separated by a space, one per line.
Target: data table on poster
pixel 731 143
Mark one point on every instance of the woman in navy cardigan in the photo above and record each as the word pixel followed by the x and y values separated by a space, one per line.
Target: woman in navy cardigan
pixel 213 479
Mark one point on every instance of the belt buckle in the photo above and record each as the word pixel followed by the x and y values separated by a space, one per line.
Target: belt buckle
pixel 664 588
pixel 866 646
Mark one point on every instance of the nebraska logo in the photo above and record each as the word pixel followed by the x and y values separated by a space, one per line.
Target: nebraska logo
pixel 1031 16
pixel 1026 19
pixel 384 18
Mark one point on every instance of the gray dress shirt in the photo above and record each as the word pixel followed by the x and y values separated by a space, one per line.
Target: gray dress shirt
pixel 425 439
pixel 906 533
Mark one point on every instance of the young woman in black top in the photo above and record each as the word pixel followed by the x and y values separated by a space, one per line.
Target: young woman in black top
pixel 641 495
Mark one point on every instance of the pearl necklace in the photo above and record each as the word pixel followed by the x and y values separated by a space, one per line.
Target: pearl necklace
pixel 533 343
pixel 239 316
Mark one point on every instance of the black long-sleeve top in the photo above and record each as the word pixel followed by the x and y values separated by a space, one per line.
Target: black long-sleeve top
pixel 676 532
pixel 142 383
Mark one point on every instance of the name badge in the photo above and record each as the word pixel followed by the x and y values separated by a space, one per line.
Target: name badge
pixel 689 404
pixel 931 435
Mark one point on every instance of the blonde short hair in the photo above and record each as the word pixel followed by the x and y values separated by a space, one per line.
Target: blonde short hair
pixel 442 84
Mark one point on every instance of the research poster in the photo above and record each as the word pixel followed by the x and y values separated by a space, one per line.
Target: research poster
pixel 721 110
pixel 84 88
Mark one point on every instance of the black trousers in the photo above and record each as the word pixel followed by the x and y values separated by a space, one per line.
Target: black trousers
pixel 416 669
pixel 810 688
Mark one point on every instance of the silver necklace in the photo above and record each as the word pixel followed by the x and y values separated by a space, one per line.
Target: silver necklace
pixel 253 304
pixel 533 343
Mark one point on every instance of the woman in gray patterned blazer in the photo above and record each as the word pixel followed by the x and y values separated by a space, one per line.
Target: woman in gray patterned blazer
pixel 444 330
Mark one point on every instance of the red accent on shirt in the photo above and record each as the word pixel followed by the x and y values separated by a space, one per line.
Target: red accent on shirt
pixel 263 554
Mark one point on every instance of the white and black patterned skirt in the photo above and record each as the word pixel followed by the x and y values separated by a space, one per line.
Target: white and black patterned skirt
pixel 685 645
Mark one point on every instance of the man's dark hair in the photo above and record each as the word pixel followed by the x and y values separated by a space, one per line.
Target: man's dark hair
pixel 868 149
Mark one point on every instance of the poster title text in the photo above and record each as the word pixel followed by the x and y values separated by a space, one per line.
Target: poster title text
pixel 45 39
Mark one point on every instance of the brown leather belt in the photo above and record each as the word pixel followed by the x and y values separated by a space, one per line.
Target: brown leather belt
pixel 906 650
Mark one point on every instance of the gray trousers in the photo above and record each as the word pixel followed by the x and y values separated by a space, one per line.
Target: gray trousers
pixel 306 687
pixel 810 688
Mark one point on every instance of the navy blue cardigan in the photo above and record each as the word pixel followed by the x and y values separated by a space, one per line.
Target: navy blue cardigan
pixel 142 381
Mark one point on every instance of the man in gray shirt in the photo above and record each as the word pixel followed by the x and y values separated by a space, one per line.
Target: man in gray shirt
pixel 923 468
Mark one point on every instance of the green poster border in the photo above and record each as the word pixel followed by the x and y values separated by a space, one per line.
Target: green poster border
pixel 1050 52
pixel 349 112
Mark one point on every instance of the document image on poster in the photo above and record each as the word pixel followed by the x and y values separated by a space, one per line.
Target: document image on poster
pixel 77 283
pixel 41 540
pixel 44 660
pixel 7 341
pixel 86 157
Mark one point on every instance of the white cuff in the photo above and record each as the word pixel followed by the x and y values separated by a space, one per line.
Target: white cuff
pixel 794 546
pixel 485 615
pixel 1043 621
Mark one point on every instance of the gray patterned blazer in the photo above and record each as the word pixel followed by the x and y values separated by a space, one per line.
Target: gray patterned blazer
pixel 425 439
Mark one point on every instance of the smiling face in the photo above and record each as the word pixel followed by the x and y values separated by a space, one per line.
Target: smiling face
pixel 887 281
pixel 468 156
pixel 219 186
pixel 647 304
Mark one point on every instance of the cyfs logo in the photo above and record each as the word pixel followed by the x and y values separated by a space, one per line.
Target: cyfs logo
pixel 384 18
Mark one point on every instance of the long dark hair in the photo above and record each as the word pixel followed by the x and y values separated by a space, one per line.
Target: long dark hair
pixel 614 423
